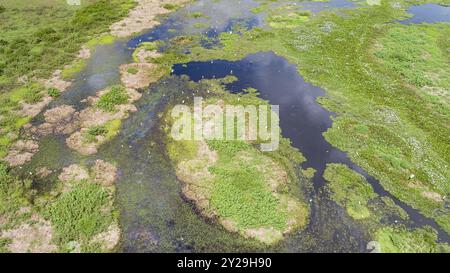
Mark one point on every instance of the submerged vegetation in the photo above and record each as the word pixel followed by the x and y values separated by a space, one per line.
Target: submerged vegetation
pixel 394 240
pixel 73 216
pixel 418 54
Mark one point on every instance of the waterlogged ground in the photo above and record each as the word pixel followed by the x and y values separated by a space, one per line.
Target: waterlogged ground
pixel 153 214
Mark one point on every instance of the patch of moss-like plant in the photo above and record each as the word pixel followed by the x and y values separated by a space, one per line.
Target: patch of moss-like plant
pixel 241 193
pixel 80 214
pixel 415 52
pixel 393 128
pixel 400 240
pixel 291 20
pixel 116 96
pixel 349 189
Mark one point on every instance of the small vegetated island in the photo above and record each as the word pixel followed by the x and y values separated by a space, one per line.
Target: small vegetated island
pixel 247 191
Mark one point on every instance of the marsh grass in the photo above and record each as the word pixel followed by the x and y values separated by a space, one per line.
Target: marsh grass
pixel 93 132
pixel 14 194
pixel 384 120
pixel 387 90
pixel 115 96
pixel 53 92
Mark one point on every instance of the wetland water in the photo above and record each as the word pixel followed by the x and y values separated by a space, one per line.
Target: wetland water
pixel 154 217
pixel 428 13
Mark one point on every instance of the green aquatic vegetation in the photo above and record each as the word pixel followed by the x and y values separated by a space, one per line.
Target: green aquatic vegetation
pixel 115 96
pixel 309 173
pixel 80 214
pixel 112 128
pixel 14 195
pixel 53 92
pixel 79 64
pixel 250 191
pixel 132 70
pixel 350 190
pixel 39 37
pixel 391 207
pixel 106 131
pixel 419 53
pixel 170 6
pixel 148 46
pixel 73 69
pixel 251 90
pixel 260 9
pixel 200 25
pixel 102 40
pixel 400 240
